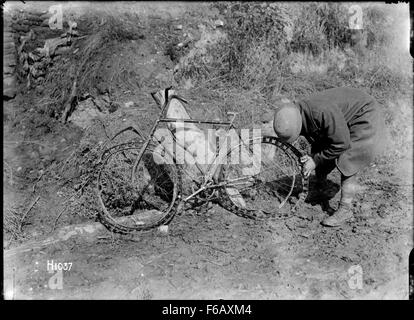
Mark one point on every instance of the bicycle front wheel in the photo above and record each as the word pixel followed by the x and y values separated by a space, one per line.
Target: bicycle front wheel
pixel 137 194
pixel 264 180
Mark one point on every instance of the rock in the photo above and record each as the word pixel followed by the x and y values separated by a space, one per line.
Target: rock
pixel 101 104
pixel 9 86
pixel 106 98
pixel 129 104
pixel 163 229
pixel 219 23
pixel 85 113
pixel 179 27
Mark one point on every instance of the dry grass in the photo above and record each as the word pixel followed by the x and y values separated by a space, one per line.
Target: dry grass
pixel 106 33
pixel 317 53
pixel 12 223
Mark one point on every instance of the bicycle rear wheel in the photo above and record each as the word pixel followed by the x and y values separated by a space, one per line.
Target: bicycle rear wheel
pixel 265 183
pixel 137 195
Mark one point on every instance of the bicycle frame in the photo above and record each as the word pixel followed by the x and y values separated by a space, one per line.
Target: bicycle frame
pixel 212 168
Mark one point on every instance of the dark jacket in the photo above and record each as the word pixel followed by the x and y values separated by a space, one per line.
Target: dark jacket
pixel 342 124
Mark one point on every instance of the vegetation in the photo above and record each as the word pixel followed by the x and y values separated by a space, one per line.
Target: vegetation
pixel 280 41
pixel 281 49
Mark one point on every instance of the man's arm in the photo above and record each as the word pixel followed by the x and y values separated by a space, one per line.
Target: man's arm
pixel 336 132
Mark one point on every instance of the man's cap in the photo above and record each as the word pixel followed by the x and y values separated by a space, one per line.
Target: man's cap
pixel 287 121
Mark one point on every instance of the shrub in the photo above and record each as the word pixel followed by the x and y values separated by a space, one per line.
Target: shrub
pixel 320 26
pixel 251 25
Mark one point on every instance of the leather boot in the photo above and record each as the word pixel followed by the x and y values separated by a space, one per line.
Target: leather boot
pixel 344 212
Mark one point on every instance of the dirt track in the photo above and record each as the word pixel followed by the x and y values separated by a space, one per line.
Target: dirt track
pixel 213 255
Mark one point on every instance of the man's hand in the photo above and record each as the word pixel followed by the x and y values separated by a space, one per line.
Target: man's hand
pixel 308 165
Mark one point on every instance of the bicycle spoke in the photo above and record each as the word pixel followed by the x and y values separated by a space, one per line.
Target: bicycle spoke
pixel 142 202
pixel 267 191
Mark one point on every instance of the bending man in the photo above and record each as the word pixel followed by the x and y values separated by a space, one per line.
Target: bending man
pixel 343 126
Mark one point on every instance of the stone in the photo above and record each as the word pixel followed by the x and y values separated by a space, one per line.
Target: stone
pixel 129 104
pixel 163 229
pixel 101 104
pixel 106 98
pixel 219 23
pixel 85 113
pixel 9 86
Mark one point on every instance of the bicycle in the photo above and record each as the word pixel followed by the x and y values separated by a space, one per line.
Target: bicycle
pixel 140 182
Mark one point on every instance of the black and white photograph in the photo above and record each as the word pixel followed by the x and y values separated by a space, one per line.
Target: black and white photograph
pixel 236 150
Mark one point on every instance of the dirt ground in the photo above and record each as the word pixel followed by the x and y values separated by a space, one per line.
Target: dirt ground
pixel 217 255
pixel 204 255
